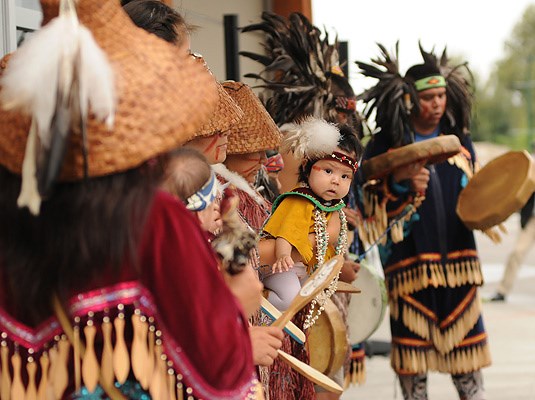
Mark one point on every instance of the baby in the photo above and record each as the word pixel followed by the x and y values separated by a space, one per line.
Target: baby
pixel 303 225
pixel 190 178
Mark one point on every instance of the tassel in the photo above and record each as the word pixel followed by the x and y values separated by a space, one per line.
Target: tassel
pixel 17 387
pixel 158 386
pixel 5 383
pixel 121 359
pixel 76 355
pixel 44 361
pixel 61 374
pixel 179 388
pixel 171 382
pixel 139 352
pixel 356 374
pixel 53 356
pixel 90 367
pixel 106 362
pixel 31 369
pixel 150 362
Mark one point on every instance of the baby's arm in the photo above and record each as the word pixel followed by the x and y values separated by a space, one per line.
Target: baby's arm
pixel 283 253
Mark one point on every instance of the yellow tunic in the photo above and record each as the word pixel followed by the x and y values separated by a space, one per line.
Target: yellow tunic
pixel 293 220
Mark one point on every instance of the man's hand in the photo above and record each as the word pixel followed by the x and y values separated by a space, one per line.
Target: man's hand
pixel 351 216
pixel 416 173
pixel 349 271
pixel 265 341
pixel 420 180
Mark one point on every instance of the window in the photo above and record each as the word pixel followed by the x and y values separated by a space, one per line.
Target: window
pixel 18 19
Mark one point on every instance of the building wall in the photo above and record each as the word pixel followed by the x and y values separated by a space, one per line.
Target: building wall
pixel 209 39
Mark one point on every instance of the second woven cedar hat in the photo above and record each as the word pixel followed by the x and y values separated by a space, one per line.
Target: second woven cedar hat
pixel 227 114
pixel 164 97
pixel 256 131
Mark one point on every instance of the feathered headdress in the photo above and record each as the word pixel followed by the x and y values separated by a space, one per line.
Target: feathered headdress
pixel 459 90
pixel 391 98
pixel 300 69
pixel 311 139
pixel 395 97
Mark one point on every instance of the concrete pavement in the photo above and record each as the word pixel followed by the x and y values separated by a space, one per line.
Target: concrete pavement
pixel 511 329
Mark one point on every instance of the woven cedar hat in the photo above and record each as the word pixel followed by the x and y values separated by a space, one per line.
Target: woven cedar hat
pixel 256 131
pixel 164 96
pixel 226 115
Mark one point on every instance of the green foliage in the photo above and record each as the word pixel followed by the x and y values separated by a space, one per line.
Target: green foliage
pixel 504 108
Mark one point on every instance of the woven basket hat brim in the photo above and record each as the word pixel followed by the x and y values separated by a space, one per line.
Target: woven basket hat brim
pixel 256 131
pixel 227 114
pixel 164 96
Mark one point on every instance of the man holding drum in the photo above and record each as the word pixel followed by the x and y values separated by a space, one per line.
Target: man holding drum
pixel 429 258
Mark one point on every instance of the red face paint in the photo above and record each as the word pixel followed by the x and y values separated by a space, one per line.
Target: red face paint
pixel 211 145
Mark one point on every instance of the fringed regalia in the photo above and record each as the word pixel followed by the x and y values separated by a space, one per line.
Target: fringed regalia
pixel 432 275
pixel 133 332
pixel 429 257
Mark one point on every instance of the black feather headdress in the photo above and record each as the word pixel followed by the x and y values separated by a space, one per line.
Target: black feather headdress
pixel 394 97
pixel 391 99
pixel 300 69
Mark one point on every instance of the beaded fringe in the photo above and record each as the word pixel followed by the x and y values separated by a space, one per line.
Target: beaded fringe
pixel 376 224
pixel 406 360
pixel 356 373
pixel 423 275
pixel 444 340
pixel 49 372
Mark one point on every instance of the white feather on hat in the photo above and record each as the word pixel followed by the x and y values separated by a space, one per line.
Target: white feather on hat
pixel 310 139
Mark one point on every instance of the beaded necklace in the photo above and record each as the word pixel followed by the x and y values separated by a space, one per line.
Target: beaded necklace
pixel 322 242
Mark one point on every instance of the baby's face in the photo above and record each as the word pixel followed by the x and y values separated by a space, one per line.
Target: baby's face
pixel 210 218
pixel 330 179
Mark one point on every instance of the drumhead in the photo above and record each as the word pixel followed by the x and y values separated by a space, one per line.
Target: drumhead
pixel 499 189
pixel 327 340
pixel 432 151
pixel 366 309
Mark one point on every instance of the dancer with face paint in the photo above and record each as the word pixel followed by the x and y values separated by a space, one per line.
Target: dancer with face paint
pixel 432 270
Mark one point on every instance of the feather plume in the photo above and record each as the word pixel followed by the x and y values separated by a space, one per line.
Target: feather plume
pixel 55 77
pixel 297 68
pixel 311 139
pixel 388 99
pixel 394 97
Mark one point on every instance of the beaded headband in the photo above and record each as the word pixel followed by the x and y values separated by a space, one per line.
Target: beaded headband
pixel 205 196
pixel 430 82
pixel 343 159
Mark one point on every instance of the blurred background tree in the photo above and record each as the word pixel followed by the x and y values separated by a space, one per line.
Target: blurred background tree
pixel 504 109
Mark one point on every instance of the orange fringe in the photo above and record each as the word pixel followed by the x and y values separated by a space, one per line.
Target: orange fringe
pixel 356 373
pixel 444 340
pixel 458 361
pixel 433 274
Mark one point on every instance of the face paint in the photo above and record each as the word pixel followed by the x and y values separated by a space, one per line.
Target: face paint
pixel 211 145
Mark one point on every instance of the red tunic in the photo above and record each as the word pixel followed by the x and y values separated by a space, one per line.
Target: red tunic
pixel 204 332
